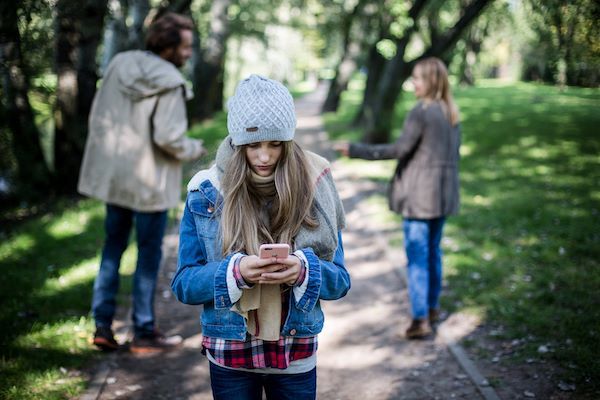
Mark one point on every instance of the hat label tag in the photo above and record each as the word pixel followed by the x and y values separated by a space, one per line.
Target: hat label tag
pixel 252 129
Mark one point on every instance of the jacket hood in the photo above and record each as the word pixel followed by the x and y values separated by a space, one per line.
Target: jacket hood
pixel 144 74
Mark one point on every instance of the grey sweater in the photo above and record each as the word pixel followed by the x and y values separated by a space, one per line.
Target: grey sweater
pixel 425 184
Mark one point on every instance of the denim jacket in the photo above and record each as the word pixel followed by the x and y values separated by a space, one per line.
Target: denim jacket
pixel 201 276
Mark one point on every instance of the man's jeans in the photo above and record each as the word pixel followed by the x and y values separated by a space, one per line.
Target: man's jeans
pixel 422 241
pixel 228 384
pixel 149 229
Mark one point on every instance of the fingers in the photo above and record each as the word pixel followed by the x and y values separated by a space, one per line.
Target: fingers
pixel 270 270
pixel 287 271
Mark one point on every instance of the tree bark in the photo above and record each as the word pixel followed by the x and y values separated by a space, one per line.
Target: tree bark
pixel 210 65
pixel 33 174
pixel 79 28
pixel 383 96
pixel 138 11
pixel 353 48
pixel 115 33
pixel 375 64
pixel 379 116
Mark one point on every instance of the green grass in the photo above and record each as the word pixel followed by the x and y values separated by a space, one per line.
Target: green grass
pixel 48 266
pixel 524 252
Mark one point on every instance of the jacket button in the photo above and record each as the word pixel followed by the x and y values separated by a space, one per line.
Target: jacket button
pixel 210 209
pixel 293 332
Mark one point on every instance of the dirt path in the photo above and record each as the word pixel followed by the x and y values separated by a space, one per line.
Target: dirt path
pixel 361 353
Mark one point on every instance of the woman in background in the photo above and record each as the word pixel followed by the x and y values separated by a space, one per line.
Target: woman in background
pixel 425 186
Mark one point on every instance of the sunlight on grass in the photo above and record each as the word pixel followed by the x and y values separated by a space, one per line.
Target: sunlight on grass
pixel 71 334
pixel 71 224
pixel 76 275
pixel 20 243
pixel 524 251
pixel 49 265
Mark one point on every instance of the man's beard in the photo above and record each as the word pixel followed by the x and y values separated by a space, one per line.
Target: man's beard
pixel 176 60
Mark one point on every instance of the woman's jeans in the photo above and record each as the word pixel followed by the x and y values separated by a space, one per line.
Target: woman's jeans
pixel 422 241
pixel 228 384
pixel 149 229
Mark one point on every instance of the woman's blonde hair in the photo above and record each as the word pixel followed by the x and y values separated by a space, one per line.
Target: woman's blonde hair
pixel 435 75
pixel 243 227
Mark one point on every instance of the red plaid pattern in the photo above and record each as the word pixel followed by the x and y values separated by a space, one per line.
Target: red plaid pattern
pixel 257 353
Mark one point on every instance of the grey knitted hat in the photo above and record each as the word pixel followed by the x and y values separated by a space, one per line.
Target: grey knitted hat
pixel 261 109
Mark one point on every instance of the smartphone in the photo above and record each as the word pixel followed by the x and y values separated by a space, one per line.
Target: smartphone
pixel 279 250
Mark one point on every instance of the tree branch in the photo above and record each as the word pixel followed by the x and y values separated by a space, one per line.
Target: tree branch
pixel 451 36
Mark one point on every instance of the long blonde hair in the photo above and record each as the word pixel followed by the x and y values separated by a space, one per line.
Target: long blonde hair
pixel 242 227
pixel 434 73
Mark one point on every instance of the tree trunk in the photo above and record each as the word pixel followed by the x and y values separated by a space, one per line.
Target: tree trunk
pixel 375 66
pixel 343 74
pixel 33 174
pixel 115 33
pixel 391 76
pixel 138 11
pixel 379 114
pixel 379 122
pixel 79 28
pixel 209 67
pixel 353 43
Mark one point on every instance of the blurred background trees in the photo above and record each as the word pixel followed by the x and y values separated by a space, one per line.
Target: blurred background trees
pixel 52 54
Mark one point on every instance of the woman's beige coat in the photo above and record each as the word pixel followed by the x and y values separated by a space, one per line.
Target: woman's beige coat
pixel 136 139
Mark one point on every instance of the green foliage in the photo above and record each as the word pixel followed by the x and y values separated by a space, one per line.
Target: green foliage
pixel 524 251
pixel 563 41
pixel 37 31
pixel 48 267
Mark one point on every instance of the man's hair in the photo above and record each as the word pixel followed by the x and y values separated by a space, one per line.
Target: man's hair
pixel 163 33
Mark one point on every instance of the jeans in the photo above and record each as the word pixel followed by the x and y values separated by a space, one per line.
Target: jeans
pixel 422 242
pixel 228 384
pixel 149 229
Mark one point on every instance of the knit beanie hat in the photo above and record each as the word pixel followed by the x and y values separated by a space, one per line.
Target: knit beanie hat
pixel 261 109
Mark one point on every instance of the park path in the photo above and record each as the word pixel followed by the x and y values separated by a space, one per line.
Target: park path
pixel 361 352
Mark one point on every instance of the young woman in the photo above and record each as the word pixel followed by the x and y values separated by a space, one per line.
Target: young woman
pixel 424 188
pixel 261 316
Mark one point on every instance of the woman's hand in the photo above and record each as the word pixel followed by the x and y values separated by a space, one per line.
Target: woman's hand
pixel 342 147
pixel 287 271
pixel 252 267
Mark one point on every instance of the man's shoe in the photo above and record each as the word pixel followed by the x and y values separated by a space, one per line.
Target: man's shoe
pixel 434 315
pixel 154 342
pixel 104 339
pixel 418 329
